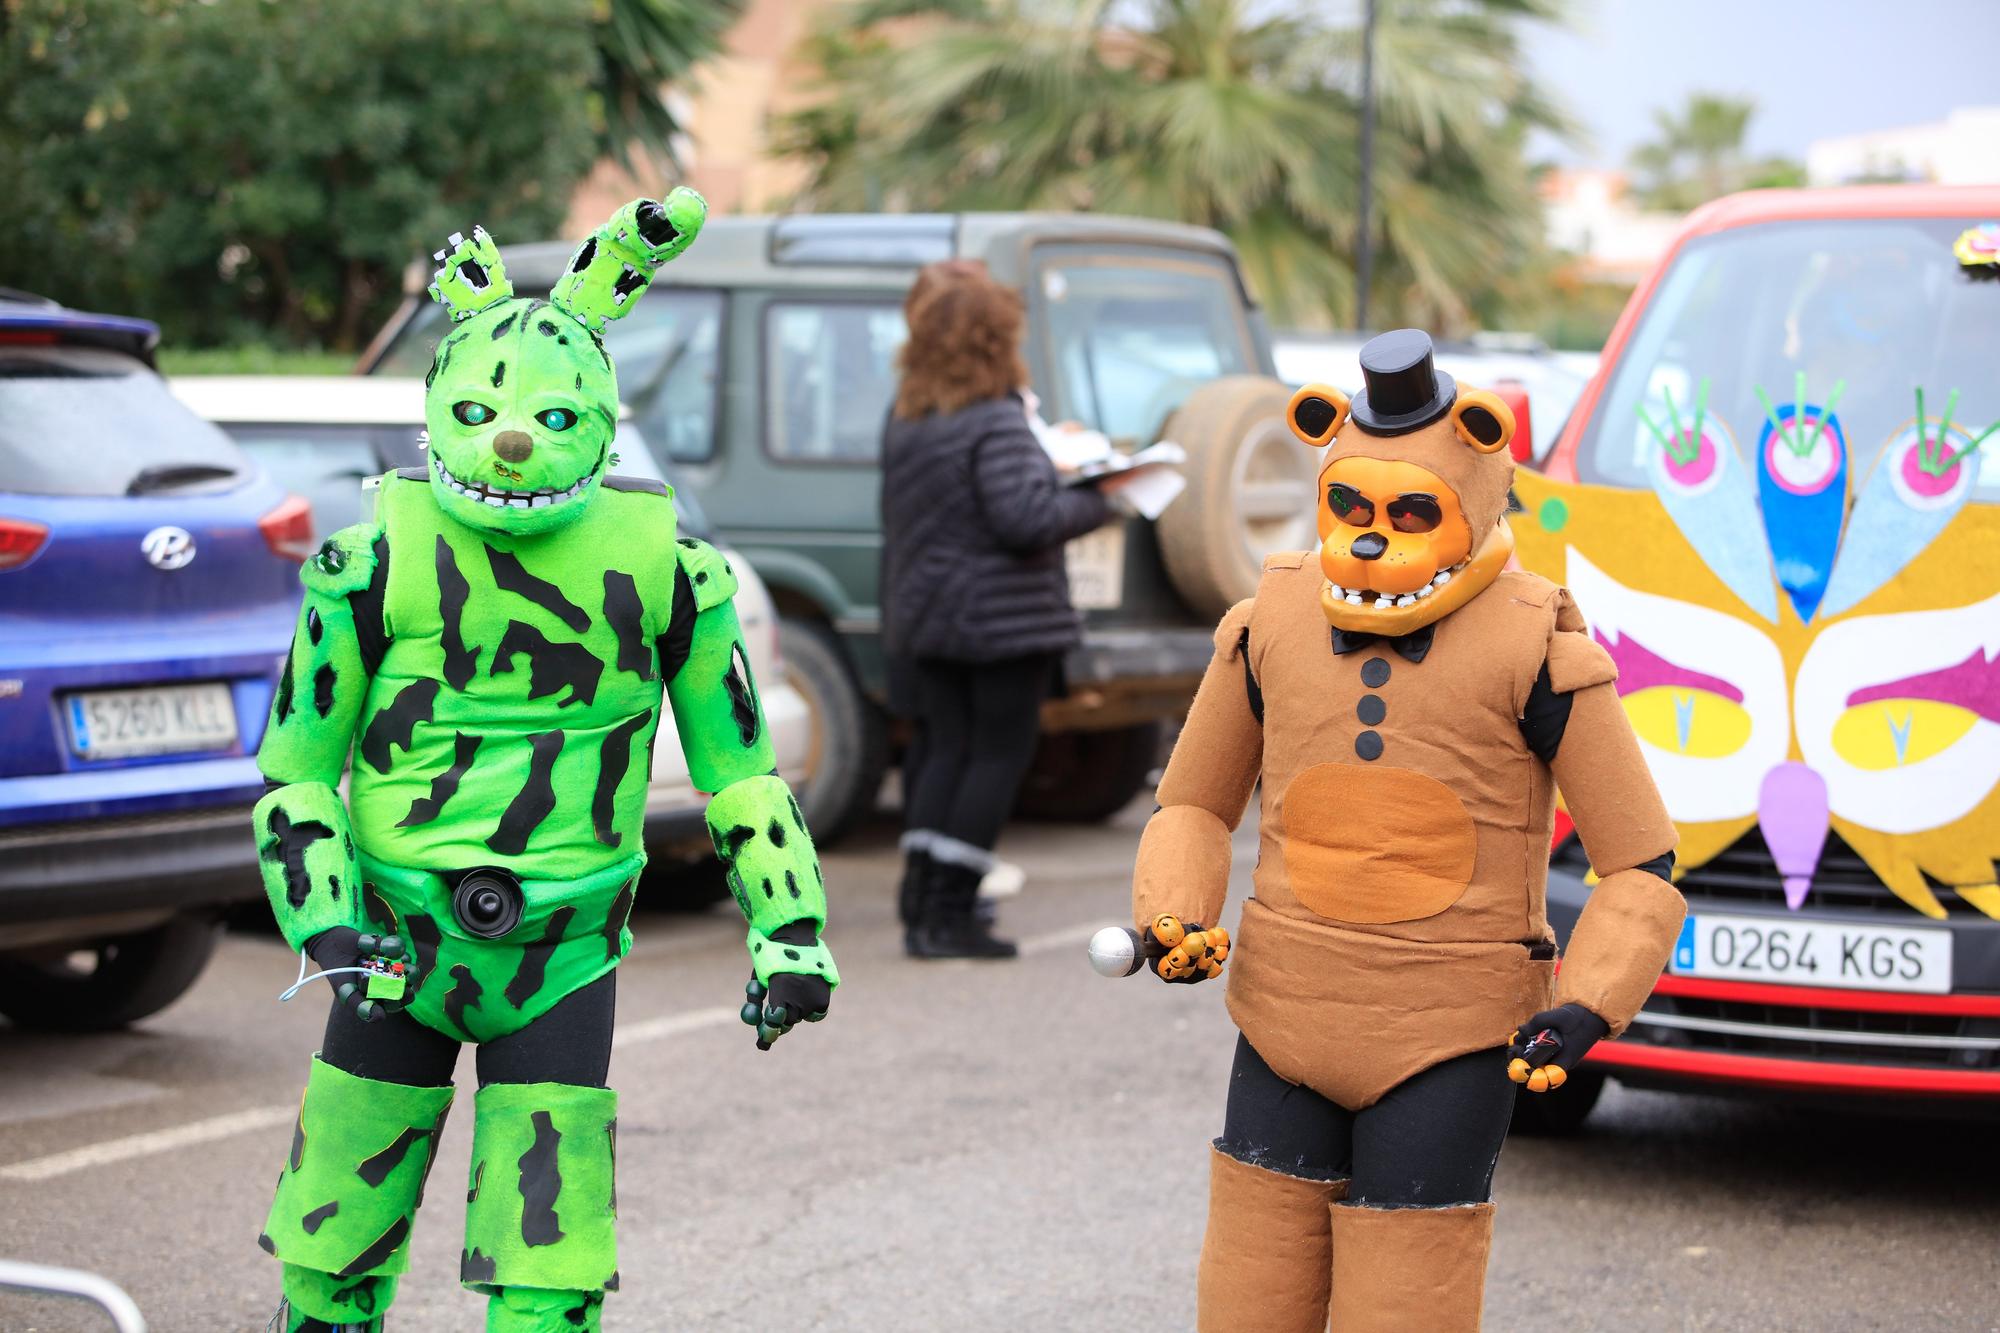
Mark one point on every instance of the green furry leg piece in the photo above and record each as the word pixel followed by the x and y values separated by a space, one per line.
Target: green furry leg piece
pixel 541 1211
pixel 533 1310
pixel 351 1186
pixel 317 1302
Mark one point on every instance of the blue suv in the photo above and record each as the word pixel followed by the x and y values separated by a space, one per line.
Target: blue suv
pixel 148 582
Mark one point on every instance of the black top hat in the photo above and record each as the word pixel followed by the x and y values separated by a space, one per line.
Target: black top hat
pixel 1406 391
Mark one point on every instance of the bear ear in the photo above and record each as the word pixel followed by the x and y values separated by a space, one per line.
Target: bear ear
pixel 1482 420
pixel 1316 413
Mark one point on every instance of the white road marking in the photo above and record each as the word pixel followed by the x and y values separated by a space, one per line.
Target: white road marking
pixel 145 1145
pixel 672 1025
pixel 267 1117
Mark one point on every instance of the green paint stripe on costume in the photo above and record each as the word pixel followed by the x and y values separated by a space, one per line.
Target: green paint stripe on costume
pixel 306 857
pixel 364 1147
pixel 773 870
pixel 542 1211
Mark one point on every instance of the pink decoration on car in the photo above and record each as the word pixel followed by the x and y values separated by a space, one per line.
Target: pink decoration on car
pixel 1791 810
pixel 1639 668
pixel 1973 683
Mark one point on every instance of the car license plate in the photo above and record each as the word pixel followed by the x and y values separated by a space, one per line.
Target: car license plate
pixel 1813 953
pixel 1096 564
pixel 164 719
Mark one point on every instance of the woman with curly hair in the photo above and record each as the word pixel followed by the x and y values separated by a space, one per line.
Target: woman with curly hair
pixel 976 609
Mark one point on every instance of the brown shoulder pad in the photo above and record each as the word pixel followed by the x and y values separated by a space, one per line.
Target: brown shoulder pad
pixel 1235 624
pixel 1567 616
pixel 1576 661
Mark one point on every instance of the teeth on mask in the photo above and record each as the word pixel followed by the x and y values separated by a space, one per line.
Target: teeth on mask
pixel 1424 591
pixel 1336 590
pixel 540 502
pixel 519 502
pixel 496 502
pixel 1444 577
pixel 1406 600
pixel 1354 599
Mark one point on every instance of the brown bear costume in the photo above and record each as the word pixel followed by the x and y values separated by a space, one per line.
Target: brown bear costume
pixel 1409 710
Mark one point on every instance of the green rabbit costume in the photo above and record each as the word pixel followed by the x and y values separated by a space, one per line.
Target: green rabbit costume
pixel 491 655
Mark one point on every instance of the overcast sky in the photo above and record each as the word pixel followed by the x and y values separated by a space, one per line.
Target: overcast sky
pixel 1816 67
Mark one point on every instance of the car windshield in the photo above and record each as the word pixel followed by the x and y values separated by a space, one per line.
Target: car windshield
pixel 323 463
pixel 86 421
pixel 1130 339
pixel 1763 324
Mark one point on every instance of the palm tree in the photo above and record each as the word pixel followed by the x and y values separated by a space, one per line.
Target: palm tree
pixel 642 46
pixel 1234 114
pixel 1698 154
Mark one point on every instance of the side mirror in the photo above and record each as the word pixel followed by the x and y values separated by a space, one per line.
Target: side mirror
pixel 1515 395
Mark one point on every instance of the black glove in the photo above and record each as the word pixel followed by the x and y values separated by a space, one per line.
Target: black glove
pixel 791 998
pixel 343 946
pixel 1552 1043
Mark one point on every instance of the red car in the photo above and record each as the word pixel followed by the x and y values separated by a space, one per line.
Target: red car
pixel 1778 503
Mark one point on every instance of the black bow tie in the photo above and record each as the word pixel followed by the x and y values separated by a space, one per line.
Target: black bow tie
pixel 1410 647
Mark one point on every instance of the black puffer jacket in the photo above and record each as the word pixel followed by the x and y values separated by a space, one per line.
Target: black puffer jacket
pixel 973 525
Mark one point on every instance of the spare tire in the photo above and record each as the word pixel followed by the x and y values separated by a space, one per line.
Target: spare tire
pixel 1252 489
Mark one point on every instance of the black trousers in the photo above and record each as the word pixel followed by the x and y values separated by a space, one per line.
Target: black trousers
pixel 977 723
pixel 571 1043
pixel 1434 1139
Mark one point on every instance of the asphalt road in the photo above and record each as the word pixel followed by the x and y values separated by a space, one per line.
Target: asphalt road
pixel 961 1147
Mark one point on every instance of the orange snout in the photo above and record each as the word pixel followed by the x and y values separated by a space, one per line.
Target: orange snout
pixel 1388 527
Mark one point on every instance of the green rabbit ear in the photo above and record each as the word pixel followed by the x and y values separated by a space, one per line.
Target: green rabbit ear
pixel 470 276
pixel 614 265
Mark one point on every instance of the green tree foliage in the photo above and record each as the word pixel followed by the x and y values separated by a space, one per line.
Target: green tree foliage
pixel 1236 114
pixel 1698 155
pixel 642 46
pixel 243 169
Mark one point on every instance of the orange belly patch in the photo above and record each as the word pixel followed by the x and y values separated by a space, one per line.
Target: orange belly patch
pixel 1375 845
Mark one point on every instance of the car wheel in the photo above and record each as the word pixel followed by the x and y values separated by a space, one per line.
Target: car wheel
pixel 1559 1113
pixel 845 762
pixel 1252 489
pixel 1085 777
pixel 109 984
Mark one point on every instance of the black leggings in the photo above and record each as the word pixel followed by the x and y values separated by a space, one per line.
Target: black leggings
pixel 571 1043
pixel 1432 1140
pixel 979 723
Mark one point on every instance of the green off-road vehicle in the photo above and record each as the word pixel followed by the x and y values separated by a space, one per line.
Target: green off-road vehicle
pixel 763 369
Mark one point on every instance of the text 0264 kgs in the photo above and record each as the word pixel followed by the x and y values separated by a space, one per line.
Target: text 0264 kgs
pixel 1813 953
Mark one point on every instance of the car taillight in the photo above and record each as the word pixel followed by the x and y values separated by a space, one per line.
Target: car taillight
pixel 289 529
pixel 19 539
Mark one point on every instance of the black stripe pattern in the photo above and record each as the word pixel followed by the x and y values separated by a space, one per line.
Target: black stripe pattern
pixel 537 797
pixel 510 575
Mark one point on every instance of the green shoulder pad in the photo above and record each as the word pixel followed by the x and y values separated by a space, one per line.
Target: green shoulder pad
pixel 344 562
pixel 713 581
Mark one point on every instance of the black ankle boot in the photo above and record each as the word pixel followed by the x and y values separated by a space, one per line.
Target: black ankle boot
pixel 949 924
pixel 911 895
